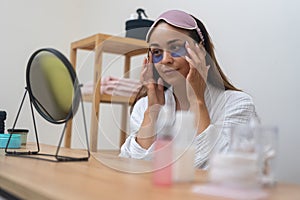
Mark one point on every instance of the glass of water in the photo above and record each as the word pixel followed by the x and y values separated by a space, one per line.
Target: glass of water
pixel 267 140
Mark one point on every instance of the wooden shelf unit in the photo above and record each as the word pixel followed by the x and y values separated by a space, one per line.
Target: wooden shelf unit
pixel 103 43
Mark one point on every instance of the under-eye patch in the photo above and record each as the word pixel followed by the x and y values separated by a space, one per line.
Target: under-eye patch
pixel 175 51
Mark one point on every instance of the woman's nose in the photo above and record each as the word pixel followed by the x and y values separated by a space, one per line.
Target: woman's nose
pixel 167 58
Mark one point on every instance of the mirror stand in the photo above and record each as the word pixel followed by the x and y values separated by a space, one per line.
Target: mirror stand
pixel 43 156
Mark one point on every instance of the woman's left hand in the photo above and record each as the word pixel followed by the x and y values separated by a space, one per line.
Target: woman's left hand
pixel 197 76
pixel 196 85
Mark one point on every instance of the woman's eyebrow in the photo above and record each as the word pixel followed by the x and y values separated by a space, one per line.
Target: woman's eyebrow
pixel 154 44
pixel 168 43
pixel 172 41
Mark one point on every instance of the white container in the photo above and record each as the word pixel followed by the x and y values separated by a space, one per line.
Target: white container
pixel 234 169
pixel 184 147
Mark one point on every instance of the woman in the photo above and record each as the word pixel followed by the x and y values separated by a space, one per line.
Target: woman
pixel 182 73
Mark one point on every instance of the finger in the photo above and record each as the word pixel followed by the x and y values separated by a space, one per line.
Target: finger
pixel 150 65
pixel 160 84
pixel 143 73
pixel 152 94
pixel 150 69
pixel 160 91
pixel 200 50
pixel 192 73
pixel 192 55
pixel 197 53
pixel 196 58
pixel 146 71
pixel 190 61
pixel 150 57
pixel 145 61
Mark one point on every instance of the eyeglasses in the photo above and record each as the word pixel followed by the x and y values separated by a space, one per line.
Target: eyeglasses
pixel 176 50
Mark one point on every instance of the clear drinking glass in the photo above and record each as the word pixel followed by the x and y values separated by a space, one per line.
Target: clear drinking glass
pixel 267 140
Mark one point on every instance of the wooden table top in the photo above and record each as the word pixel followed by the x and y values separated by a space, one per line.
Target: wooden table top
pixel 99 178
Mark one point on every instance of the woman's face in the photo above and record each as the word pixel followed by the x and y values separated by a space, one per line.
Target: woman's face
pixel 167 46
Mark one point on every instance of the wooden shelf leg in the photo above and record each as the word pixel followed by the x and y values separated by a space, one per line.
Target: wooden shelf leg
pixel 124 116
pixel 96 99
pixel 68 136
pixel 123 132
pixel 94 125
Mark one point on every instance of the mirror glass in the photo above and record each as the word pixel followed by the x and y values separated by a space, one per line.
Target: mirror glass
pixel 52 85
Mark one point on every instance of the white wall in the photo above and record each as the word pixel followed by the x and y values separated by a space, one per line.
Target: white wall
pixel 25 27
pixel 256 43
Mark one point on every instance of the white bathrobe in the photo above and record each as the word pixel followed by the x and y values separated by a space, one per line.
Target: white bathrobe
pixel 226 109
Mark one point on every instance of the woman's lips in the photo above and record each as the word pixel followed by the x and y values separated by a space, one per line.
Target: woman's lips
pixel 170 71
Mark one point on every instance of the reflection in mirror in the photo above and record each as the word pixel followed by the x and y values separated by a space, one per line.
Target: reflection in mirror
pixel 51 86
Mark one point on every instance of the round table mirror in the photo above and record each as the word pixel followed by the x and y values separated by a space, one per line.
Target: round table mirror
pixel 52 85
pixel 54 91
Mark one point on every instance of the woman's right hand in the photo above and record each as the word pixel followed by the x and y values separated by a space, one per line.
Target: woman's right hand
pixel 156 99
pixel 155 90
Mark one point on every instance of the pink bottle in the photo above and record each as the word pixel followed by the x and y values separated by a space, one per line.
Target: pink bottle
pixel 162 161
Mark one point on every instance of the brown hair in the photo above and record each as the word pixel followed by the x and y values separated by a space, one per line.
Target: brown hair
pixel 215 76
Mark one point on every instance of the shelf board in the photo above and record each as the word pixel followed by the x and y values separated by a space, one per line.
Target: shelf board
pixel 112 44
pixel 105 98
